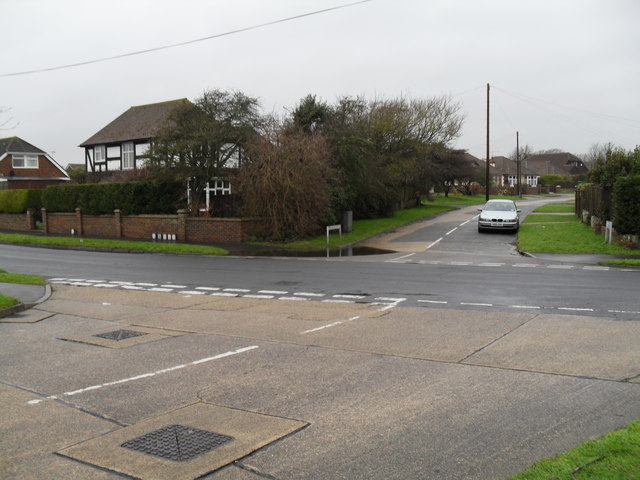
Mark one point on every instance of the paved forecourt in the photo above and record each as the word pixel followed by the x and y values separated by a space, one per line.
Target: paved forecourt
pixel 101 382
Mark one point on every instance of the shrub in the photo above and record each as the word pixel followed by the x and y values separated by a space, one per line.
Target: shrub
pixel 551 179
pixel 132 198
pixel 626 215
pixel 19 201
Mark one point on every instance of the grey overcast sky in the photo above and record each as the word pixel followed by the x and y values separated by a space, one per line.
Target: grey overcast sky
pixel 564 73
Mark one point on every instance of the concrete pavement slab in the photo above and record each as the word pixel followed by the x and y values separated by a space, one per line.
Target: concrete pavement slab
pixel 30 433
pixel 244 433
pixel 568 345
pixel 103 310
pixel 376 416
pixel 121 336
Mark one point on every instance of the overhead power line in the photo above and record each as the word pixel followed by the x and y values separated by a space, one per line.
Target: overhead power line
pixel 181 44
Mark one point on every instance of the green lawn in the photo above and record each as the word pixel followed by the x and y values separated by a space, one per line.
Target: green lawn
pixel 616 456
pixel 111 244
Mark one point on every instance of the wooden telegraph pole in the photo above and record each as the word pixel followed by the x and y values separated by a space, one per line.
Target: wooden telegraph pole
pixel 486 178
pixel 519 171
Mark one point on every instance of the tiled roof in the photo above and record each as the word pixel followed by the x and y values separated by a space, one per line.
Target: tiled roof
pixel 506 166
pixel 17 145
pixel 141 122
pixel 556 163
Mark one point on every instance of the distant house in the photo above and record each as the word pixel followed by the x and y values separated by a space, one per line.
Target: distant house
pixel 504 173
pixel 23 165
pixel 564 164
pixel 123 144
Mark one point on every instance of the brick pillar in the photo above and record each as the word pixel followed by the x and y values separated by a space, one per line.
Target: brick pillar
pixel 78 221
pixel 182 225
pixel 117 215
pixel 45 223
pixel 31 219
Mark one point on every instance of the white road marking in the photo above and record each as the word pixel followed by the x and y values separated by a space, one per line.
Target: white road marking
pixel 160 289
pixel 603 269
pixel 257 296
pixel 208 289
pixel 173 286
pixel 433 301
pixel 307 294
pixel 354 297
pixel 400 258
pixel 624 311
pixel 572 309
pixel 237 290
pixel 224 294
pixel 464 223
pixel 561 267
pixel 300 299
pixel 524 265
pixel 477 304
pixel 451 231
pixel 146 284
pixel 487 264
pixel 524 306
pixel 273 292
pixel 433 243
pixel 158 372
pixel 339 322
pixel 460 263
pixel 191 292
pixel 145 375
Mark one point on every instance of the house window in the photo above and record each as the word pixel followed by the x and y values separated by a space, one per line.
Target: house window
pixel 25 161
pixel 99 154
pixel 532 181
pixel 513 179
pixel 127 156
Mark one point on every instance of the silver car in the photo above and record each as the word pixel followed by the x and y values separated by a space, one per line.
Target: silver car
pixel 499 215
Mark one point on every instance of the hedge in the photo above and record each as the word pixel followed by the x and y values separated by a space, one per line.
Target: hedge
pixel 626 201
pixel 131 198
pixel 19 201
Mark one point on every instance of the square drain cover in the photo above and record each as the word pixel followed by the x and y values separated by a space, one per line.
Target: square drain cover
pixel 177 442
pixel 118 335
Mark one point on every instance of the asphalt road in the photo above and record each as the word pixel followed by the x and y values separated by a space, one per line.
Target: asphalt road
pixel 449 359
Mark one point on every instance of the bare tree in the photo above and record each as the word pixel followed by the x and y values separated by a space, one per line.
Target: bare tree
pixel 286 180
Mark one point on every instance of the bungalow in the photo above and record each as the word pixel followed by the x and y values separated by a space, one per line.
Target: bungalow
pixel 504 173
pixel 564 164
pixel 123 143
pixel 23 165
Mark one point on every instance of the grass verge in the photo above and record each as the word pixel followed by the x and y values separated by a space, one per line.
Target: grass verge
pixel 21 278
pixel 101 244
pixel 570 238
pixel 565 207
pixel 549 218
pixel 6 302
pixel 368 228
pixel 616 456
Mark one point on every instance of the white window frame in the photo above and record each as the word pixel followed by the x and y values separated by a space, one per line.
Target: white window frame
pixel 532 180
pixel 99 154
pixel 128 156
pixel 24 161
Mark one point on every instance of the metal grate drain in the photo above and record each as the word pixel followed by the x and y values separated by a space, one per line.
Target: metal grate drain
pixel 118 335
pixel 177 442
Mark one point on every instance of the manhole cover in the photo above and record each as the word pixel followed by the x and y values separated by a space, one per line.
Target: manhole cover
pixel 118 335
pixel 177 442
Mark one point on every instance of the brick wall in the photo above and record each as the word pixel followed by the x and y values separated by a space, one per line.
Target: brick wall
pixel 135 227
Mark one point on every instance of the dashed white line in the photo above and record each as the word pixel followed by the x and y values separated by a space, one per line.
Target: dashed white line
pixel 464 223
pixel 442 302
pixel 173 286
pixel 191 292
pixel 299 299
pixel 258 296
pixel 561 267
pixel 237 290
pixel 602 269
pixel 451 231
pixel 308 294
pixel 524 265
pixel 273 292
pixel 350 296
pixel 477 304
pixel 208 289
pixel 488 264
pixel 525 306
pixel 573 309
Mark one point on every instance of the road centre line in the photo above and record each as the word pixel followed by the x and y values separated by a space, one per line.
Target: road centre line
pixel 477 304
pixel 464 223
pixel 572 309
pixel 525 306
pixel 273 292
pixel 442 302
pixel 150 374
pixel 451 231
